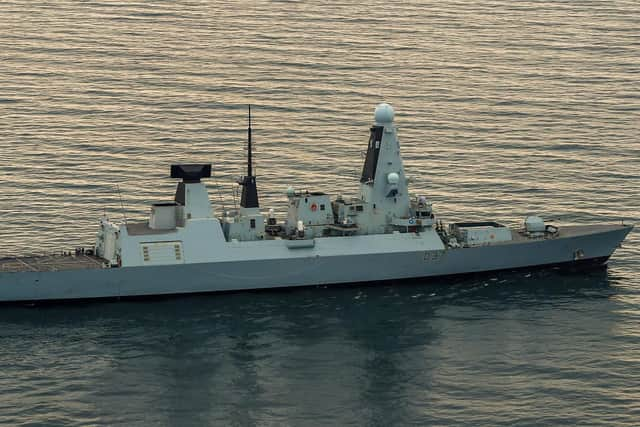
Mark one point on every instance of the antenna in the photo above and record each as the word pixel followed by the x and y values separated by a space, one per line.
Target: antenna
pixel 234 190
pixel 215 182
pixel 122 204
pixel 249 149
pixel 249 198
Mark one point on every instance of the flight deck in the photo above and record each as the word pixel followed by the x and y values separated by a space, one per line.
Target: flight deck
pixel 55 262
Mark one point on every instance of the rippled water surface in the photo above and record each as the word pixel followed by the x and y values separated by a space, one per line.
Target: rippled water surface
pixel 505 108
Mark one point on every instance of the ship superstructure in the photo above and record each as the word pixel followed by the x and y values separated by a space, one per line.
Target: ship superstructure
pixel 380 234
pixel 187 231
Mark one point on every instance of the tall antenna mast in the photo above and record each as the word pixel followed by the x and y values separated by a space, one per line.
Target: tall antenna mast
pixel 249 197
pixel 122 204
pixel 249 149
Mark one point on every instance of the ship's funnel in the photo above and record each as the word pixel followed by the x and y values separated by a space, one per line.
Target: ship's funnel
pixel 191 173
pixel 195 200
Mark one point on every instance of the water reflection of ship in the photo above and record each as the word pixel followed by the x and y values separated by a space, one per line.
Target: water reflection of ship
pixel 348 353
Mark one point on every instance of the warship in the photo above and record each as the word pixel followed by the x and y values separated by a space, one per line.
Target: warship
pixel 381 234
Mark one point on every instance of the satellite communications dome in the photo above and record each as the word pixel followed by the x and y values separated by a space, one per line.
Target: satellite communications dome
pixel 393 178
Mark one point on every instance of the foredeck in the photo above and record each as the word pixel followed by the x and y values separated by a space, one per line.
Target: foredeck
pixel 568 231
pixel 41 263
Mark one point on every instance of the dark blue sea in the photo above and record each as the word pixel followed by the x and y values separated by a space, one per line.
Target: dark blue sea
pixel 505 108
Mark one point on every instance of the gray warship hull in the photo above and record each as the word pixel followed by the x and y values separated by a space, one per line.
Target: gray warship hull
pixel 323 261
pixel 381 234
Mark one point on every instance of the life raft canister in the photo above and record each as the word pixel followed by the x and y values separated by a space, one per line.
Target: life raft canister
pixel 314 207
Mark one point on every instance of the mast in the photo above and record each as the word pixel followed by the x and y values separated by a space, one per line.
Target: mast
pixel 249 197
pixel 249 162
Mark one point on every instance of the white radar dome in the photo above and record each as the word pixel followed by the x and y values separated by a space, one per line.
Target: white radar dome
pixel 384 113
pixel 393 178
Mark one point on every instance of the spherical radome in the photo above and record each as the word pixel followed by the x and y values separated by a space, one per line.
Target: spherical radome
pixel 393 178
pixel 384 113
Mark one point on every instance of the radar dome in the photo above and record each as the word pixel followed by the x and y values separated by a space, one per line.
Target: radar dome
pixel 384 113
pixel 393 178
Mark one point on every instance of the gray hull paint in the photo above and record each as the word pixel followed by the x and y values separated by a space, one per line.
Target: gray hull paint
pixel 307 271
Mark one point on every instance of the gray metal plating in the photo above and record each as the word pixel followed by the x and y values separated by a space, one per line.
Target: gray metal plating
pixel 382 234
